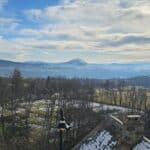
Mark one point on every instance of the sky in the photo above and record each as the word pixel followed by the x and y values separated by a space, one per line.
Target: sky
pixel 97 31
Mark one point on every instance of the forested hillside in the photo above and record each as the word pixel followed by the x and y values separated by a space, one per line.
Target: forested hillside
pixel 30 109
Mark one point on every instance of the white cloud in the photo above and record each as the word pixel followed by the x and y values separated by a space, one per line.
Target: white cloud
pixel 96 13
pixel 2 4
pixel 116 29
pixel 8 25
pixel 8 22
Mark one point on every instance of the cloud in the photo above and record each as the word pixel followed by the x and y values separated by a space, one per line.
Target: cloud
pixel 2 4
pixel 96 13
pixel 110 29
pixel 8 25
pixel 8 21
pixel 131 39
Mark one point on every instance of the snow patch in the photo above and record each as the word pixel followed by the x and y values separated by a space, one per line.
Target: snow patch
pixel 142 146
pixel 102 141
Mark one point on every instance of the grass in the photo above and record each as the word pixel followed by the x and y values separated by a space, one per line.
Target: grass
pixel 103 96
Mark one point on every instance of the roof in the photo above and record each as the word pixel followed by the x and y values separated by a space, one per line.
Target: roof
pixel 133 116
pixel 116 119
pixel 146 139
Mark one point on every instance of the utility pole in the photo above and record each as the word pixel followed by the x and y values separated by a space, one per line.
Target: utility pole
pixel 61 140
pixel 62 127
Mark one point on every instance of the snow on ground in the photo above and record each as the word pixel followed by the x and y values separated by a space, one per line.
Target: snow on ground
pixel 142 146
pixel 20 110
pixel 102 141
pixel 34 126
pixel 76 103
pixel 39 101
pixel 43 109
pixel 98 107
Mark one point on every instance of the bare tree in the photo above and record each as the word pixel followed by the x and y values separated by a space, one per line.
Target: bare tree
pixel 16 93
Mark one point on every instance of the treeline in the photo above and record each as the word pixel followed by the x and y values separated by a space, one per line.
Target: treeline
pixel 22 126
pixel 133 97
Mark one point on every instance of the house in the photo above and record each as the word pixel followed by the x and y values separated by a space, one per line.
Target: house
pixel 130 127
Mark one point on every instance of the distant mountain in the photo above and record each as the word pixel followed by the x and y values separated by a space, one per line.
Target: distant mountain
pixel 76 62
pixel 35 62
pixel 140 81
pixel 75 68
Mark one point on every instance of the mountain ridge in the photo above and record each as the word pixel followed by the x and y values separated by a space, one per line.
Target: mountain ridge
pixel 76 61
pixel 76 68
pixel 70 61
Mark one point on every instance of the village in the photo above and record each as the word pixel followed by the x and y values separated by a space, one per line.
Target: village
pixel 119 131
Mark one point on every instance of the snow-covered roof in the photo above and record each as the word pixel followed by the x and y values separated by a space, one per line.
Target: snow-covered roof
pixel 142 146
pixel 116 119
pixel 103 141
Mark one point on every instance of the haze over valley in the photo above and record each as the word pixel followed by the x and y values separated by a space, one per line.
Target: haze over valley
pixel 76 68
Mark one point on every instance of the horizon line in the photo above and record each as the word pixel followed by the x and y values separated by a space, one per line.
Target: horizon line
pixel 69 60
